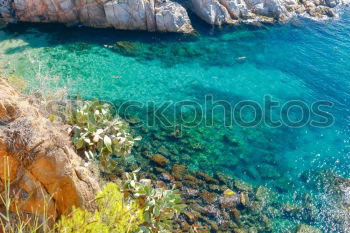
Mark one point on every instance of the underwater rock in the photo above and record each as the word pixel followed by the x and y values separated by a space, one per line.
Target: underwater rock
pixel 179 171
pixel 307 229
pixel 263 194
pixel 211 210
pixel 127 48
pixel 166 177
pixel 256 207
pixel 191 181
pixel 282 184
pixel 238 230
pixel 214 227
pixel 292 210
pixel 190 193
pixel 160 160
pixel 244 199
pixel 214 188
pixel 185 227
pixel 229 202
pixel 236 215
pixel 242 186
pixel 207 178
pixel 208 197
pixel 268 171
pixel 164 151
pixel 224 179
pixel 190 217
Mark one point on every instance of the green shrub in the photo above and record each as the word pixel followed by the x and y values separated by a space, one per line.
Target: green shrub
pixel 160 206
pixel 114 214
pixel 97 132
pixel 132 206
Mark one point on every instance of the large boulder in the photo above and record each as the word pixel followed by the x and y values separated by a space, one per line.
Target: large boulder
pixel 37 157
pixel 172 17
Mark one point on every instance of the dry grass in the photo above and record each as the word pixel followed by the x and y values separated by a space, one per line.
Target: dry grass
pixel 12 219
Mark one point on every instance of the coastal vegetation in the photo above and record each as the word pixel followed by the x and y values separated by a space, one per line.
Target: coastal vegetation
pixel 97 133
pixel 124 205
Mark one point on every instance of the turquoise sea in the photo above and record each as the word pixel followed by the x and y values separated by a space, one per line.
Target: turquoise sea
pixel 302 60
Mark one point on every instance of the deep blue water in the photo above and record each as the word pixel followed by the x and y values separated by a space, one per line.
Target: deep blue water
pixel 303 60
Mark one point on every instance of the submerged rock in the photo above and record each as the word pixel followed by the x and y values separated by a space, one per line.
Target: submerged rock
pixel 160 159
pixel 230 202
pixel 242 186
pixel 263 195
pixel 207 178
pixel 307 229
pixel 208 197
pixel 179 171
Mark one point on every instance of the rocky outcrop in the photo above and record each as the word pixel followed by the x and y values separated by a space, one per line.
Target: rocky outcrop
pixel 162 15
pixel 152 15
pixel 217 12
pixel 38 159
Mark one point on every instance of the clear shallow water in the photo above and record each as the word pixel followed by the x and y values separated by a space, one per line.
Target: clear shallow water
pixel 303 60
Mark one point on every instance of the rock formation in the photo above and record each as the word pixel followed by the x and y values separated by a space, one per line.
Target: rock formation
pixel 39 161
pixel 152 15
pixel 162 15
pixel 217 12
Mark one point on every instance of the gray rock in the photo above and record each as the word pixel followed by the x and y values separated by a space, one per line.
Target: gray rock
pixel 121 14
pixel 217 12
pixel 162 15
pixel 172 17
pixel 211 11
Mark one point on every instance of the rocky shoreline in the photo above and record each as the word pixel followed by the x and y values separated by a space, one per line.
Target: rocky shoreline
pixel 163 15
pixel 215 202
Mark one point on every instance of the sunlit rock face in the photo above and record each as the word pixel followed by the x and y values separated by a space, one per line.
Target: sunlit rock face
pixel 122 14
pixel 36 156
pixel 217 12
pixel 162 15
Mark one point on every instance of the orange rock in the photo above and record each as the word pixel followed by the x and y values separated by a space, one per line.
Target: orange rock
pixel 8 166
pixel 47 172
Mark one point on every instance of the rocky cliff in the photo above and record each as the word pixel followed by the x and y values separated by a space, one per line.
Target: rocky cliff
pixel 162 15
pixel 46 175
pixel 151 15
pixel 217 12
